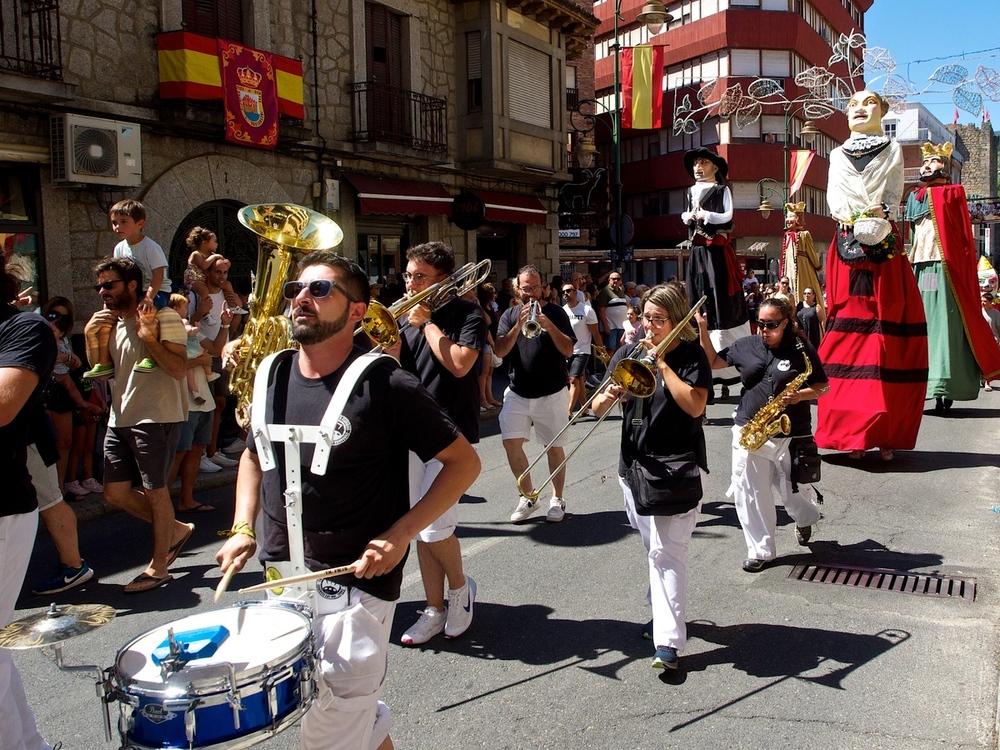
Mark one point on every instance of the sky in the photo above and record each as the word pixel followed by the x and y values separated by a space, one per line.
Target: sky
pixel 922 35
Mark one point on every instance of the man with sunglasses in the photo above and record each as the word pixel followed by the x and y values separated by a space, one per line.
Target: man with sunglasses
pixel 584 321
pixel 442 348
pixel 148 409
pixel 355 511
pixel 538 393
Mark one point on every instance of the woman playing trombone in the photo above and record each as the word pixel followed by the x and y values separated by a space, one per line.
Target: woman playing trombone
pixel 668 423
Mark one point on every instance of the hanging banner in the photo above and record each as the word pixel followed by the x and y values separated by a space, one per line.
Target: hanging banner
pixel 800 161
pixel 642 87
pixel 249 95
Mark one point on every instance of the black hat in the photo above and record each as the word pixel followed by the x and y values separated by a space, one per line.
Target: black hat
pixel 704 153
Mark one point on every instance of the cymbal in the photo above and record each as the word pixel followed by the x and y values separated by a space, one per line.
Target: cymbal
pixel 54 625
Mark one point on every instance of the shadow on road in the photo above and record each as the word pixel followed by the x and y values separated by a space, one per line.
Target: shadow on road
pixel 914 462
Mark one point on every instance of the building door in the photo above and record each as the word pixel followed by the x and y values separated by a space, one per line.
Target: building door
pixel 387 111
pixel 500 250
pixel 236 242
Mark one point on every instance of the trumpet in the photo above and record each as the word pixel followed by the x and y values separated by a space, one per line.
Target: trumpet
pixel 532 329
pixel 381 323
pixel 634 375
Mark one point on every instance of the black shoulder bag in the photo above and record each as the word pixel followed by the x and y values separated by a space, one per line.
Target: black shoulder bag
pixel 662 485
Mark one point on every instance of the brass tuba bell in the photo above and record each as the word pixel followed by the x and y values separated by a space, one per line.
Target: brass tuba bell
pixel 287 233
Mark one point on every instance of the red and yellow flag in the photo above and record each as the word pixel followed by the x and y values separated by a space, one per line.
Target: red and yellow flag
pixel 800 161
pixel 642 87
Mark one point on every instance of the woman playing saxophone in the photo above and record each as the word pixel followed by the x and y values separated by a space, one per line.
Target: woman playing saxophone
pixel 767 364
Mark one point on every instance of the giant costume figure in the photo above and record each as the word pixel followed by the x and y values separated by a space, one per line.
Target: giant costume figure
pixel 875 348
pixel 713 269
pixel 943 253
pixel 799 260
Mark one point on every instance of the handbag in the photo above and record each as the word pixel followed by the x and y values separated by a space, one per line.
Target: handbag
pixel 806 461
pixel 665 485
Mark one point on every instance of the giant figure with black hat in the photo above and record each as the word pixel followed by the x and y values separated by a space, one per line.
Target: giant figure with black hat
pixel 713 269
pixel 961 347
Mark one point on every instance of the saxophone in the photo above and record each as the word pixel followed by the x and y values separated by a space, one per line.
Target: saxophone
pixel 771 419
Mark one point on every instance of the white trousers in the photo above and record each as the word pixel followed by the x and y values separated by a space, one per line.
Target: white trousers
pixel 17 722
pixel 760 479
pixel 666 541
pixel 353 659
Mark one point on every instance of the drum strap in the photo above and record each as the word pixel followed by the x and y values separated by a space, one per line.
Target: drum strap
pixel 293 436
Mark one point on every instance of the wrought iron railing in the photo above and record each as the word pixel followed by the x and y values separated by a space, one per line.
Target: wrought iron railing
pixel 386 114
pixel 30 38
pixel 572 97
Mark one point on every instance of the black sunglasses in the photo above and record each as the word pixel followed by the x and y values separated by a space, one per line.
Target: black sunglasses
pixel 770 324
pixel 318 288
pixel 107 285
pixel 56 316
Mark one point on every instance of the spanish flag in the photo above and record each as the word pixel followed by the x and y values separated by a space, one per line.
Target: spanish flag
pixel 642 87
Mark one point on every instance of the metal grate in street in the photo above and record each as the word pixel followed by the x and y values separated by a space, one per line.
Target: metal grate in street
pixel 897 581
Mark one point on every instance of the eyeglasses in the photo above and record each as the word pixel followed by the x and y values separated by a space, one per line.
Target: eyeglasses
pixel 420 278
pixel 53 315
pixel 318 289
pixel 654 321
pixel 770 324
pixel 569 291
pixel 615 278
pixel 107 285
pixel 530 289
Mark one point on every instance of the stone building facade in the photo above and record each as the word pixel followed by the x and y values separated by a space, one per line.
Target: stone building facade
pixel 392 94
pixel 979 177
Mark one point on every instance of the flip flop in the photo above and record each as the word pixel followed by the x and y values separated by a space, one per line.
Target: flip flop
pixel 199 508
pixel 145 582
pixel 174 552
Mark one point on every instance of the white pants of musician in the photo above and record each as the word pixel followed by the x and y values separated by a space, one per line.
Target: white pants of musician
pixel 760 479
pixel 666 540
pixel 353 660
pixel 17 722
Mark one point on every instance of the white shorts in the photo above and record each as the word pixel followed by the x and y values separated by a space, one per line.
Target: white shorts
pixel 45 478
pixel 547 414
pixel 421 477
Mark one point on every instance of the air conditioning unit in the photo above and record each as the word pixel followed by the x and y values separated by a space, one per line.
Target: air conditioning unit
pixel 95 151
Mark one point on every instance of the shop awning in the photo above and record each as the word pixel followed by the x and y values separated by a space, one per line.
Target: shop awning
pixel 512 208
pixel 385 195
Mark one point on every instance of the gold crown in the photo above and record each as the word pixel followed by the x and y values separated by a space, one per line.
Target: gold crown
pixel 942 152
pixel 799 208
pixel 249 77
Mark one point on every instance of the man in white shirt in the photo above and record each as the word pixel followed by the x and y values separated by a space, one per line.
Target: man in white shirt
pixel 584 321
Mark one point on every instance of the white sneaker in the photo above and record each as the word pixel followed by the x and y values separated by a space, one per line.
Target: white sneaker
pixel 431 622
pixel 92 485
pixel 207 466
pixel 226 463
pixel 557 510
pixel 76 489
pixel 235 447
pixel 460 603
pixel 525 508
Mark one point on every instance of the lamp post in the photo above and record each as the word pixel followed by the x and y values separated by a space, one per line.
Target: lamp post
pixel 654 16
pixel 766 191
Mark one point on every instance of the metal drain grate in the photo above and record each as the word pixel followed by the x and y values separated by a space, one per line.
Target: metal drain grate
pixel 899 581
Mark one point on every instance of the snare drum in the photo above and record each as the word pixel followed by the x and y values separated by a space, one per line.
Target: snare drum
pixel 258 680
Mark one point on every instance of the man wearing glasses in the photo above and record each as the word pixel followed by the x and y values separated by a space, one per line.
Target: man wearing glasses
pixel 538 393
pixel 612 306
pixel 442 349
pixel 356 509
pixel 148 409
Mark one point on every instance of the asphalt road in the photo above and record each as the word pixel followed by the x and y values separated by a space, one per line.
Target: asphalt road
pixel 554 658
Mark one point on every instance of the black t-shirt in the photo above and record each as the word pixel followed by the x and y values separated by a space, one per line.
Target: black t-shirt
pixel 666 428
pixel 366 487
pixel 809 321
pixel 537 368
pixel 765 372
pixel 26 342
pixel 464 323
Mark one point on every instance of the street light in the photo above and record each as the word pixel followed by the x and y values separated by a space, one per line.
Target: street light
pixel 654 16
pixel 767 187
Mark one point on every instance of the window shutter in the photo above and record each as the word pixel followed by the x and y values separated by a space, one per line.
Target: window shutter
pixel 474 55
pixel 214 18
pixel 529 85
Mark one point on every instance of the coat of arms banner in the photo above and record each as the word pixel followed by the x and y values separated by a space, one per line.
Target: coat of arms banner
pixel 249 95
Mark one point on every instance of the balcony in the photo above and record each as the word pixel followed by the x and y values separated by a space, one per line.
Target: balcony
pixel 388 115
pixel 29 39
pixel 572 97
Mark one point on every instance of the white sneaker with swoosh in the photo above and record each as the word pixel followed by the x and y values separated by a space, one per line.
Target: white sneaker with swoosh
pixel 460 603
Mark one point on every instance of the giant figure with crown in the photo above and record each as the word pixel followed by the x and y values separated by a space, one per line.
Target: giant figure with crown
pixel 961 347
pixel 875 348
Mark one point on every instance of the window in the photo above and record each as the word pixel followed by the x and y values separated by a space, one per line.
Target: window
pixel 20 223
pixel 214 18
pixel 474 66
pixel 746 62
pixel 529 84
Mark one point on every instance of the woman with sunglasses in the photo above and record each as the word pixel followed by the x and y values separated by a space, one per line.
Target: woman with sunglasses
pixel 767 364
pixel 668 423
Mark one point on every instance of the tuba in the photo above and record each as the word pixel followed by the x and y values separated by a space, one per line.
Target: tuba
pixel 771 419
pixel 287 232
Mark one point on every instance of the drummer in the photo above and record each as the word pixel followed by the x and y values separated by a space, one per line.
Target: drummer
pixel 357 510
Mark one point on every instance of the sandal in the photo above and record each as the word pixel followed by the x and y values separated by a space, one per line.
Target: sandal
pixel 199 508
pixel 175 551
pixel 145 582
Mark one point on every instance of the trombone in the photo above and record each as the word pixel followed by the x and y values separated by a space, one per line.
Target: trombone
pixel 381 323
pixel 635 376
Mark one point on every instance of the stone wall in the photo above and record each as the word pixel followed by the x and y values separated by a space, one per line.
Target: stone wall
pixel 979 174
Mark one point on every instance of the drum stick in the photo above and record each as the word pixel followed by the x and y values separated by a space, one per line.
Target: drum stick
pixel 224 583
pixel 278 583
